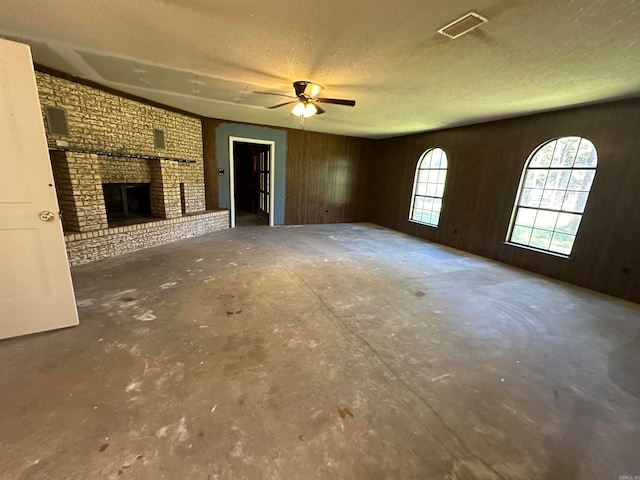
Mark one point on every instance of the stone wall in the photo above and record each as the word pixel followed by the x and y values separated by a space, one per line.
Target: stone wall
pixel 125 170
pixel 108 242
pixel 107 125
pixel 102 121
pixel 64 189
pixel 86 187
pixel 111 140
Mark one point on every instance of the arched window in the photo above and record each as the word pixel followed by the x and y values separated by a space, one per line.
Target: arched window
pixel 553 194
pixel 428 187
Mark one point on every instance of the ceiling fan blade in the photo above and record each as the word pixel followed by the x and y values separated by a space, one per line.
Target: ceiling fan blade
pixel 277 94
pixel 282 104
pixel 319 110
pixel 337 101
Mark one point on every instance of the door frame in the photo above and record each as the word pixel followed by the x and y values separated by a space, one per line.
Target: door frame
pixel 232 179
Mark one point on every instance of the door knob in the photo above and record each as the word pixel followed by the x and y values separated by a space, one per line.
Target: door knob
pixel 47 216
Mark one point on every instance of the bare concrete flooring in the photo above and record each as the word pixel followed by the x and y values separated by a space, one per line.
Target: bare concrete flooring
pixel 323 352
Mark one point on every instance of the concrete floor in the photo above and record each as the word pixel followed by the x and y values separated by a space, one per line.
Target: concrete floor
pixel 323 352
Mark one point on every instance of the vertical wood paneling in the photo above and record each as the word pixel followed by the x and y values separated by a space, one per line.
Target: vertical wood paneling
pixel 327 177
pixel 485 164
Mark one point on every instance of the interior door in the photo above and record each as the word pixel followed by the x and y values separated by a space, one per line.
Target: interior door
pixel 263 183
pixel 36 292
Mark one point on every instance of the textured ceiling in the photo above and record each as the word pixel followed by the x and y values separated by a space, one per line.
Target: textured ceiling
pixel 209 56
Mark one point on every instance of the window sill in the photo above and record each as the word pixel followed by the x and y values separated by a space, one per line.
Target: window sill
pixel 533 249
pixel 421 223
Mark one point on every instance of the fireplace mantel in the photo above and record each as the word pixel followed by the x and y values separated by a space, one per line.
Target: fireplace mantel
pixel 120 154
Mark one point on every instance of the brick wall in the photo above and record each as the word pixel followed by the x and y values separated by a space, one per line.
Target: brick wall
pixel 91 246
pixel 125 170
pixel 64 189
pixel 86 186
pixel 100 122
pixel 106 134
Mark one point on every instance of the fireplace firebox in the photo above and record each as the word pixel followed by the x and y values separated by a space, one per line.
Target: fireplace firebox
pixel 127 203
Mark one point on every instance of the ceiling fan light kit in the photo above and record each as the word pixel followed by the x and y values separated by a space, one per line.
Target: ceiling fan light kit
pixel 304 109
pixel 305 100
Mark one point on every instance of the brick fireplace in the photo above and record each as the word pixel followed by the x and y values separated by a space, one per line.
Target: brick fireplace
pixel 120 188
pixel 127 203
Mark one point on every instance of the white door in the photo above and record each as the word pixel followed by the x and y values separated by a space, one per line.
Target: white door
pixel 36 292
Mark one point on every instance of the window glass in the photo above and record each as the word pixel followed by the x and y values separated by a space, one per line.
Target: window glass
pixel 553 195
pixel 428 187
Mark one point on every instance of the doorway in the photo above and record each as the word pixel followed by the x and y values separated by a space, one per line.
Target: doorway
pixel 251 182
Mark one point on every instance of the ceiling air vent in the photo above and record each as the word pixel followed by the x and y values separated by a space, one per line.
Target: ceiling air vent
pixel 158 138
pixel 463 25
pixel 56 120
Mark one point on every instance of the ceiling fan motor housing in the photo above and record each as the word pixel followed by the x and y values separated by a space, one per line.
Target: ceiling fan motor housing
pixel 300 88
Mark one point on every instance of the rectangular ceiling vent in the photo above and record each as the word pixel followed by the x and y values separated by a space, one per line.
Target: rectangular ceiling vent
pixel 463 25
pixel 158 138
pixel 56 120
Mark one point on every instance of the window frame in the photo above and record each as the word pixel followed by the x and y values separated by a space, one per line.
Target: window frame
pixel 521 187
pixel 412 204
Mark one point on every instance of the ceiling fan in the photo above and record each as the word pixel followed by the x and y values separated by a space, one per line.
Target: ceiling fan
pixel 305 100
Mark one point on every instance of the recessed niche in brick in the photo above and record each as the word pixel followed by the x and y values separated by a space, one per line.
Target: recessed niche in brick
pixel 158 139
pixel 183 199
pixel 56 120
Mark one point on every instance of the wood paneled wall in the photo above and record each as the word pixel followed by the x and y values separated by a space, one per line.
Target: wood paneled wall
pixel 331 178
pixel 327 178
pixel 327 175
pixel 485 165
